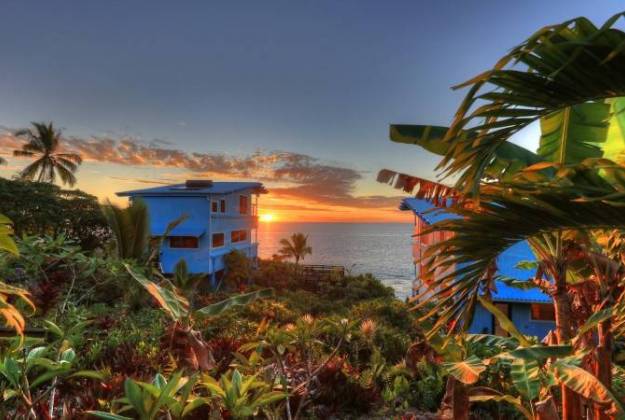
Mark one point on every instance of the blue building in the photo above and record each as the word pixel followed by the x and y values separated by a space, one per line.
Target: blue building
pixel 221 217
pixel 531 310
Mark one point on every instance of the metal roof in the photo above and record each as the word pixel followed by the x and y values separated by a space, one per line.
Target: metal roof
pixel 506 262
pixel 426 211
pixel 217 187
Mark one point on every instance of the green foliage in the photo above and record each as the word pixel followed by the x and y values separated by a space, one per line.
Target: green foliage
pixel 130 227
pixel 428 387
pixel 39 208
pixel 237 300
pixel 295 247
pixel 28 378
pixel 241 396
pixel 187 283
pixel 173 398
pixel 526 377
pixel 44 144
pixel 8 294
pixel 92 311
pixel 585 383
pixel 238 269
pixel 6 232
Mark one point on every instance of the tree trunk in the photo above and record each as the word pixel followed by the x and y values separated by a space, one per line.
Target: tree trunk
pixel 571 403
pixel 603 367
pixel 546 410
pixel 455 404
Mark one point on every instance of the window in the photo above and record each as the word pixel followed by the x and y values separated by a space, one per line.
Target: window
pixel 222 205
pixel 238 236
pixel 218 240
pixel 243 204
pixel 542 312
pixel 183 242
pixel 214 206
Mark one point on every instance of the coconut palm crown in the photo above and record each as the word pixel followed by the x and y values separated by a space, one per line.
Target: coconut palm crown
pixel 296 247
pixel 43 144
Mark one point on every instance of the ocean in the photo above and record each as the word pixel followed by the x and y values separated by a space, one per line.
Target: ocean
pixel 382 249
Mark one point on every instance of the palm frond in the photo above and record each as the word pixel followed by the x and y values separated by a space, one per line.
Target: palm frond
pixel 72 157
pixel 506 216
pixel 66 174
pixel 44 141
pixel 559 66
pixel 130 228
pixel 24 153
pixel 30 171
pixel 438 194
pixel 68 164
pixel 507 159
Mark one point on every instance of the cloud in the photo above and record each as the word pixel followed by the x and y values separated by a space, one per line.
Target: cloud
pixel 288 174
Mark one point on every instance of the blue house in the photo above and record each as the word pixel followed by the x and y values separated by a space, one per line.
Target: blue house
pixel 220 217
pixel 531 310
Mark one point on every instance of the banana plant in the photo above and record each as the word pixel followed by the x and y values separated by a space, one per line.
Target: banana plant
pixel 176 306
pixel 240 396
pixel 173 398
pixel 534 369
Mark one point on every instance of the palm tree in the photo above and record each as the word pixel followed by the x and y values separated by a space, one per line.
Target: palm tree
pixel 43 143
pixel 297 247
pixel 130 228
pixel 535 81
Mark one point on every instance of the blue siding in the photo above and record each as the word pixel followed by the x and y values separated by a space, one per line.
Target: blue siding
pixel 165 206
pixel 164 210
pixel 520 315
pixel 483 321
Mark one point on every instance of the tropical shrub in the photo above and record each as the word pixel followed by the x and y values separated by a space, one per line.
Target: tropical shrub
pixel 238 270
pixel 41 208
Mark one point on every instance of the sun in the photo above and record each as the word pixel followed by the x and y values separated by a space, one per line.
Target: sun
pixel 267 217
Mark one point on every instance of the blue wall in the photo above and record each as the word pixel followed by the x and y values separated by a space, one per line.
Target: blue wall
pixel 165 209
pixel 519 314
pixel 482 321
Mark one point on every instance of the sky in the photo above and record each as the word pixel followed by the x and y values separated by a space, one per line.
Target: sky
pixel 296 94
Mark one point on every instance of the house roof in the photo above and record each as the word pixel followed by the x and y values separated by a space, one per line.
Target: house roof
pixel 426 211
pixel 215 188
pixel 506 262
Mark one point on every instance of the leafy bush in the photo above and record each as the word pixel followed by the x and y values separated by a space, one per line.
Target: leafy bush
pixel 238 270
pixel 41 208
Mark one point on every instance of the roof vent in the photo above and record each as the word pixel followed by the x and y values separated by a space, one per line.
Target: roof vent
pixel 197 184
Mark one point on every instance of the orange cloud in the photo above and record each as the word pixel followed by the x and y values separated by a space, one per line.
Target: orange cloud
pixel 301 187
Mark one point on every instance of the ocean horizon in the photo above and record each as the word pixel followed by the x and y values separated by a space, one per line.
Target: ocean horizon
pixel 382 249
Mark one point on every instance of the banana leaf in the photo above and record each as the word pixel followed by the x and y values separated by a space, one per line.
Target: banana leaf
pixel 238 300
pixel 575 133
pixel 508 158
